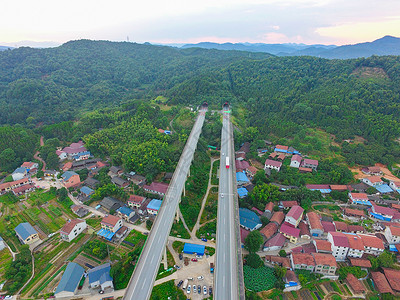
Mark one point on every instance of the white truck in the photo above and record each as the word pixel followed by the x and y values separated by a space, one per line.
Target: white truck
pixel 227 162
pixel 185 283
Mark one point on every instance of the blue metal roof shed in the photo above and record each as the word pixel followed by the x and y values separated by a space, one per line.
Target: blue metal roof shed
pixel 25 230
pixel 194 249
pixel 249 219
pixel 241 178
pixel 100 273
pixel 125 210
pixel 70 279
pixel 383 188
pixel 242 192
pixel 154 204
pixel 86 190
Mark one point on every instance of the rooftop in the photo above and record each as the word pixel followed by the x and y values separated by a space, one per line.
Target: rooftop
pixel 355 242
pixel 354 212
pixel 394 230
pixel 371 241
pixel 323 245
pixel 340 226
pixel 381 283
pixel 277 241
pixel 355 284
pixel 110 220
pixel 328 226
pixel 154 204
pixel 340 239
pixel 100 273
pixel 70 279
pixel 324 259
pixel 269 206
pixel 69 226
pixel 295 212
pixel 269 230
pixel 304 229
pixel 25 230
pixel 296 157
pixel 303 259
pixel 160 187
pixel 277 217
pixel 393 277
pixel 287 204
pixel 125 210
pixel 282 147
pixel 136 199
pixel 274 163
pixel 248 218
pixel 310 161
pixel 286 229
pixel 360 262
pixel 359 196
pixel 374 179
pixel 314 220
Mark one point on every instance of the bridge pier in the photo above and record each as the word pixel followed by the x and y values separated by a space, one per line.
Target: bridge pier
pixel 165 259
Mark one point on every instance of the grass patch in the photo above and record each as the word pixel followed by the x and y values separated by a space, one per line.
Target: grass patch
pixel 211 206
pixel 347 289
pixel 43 285
pixel 36 278
pixel 261 279
pixel 294 294
pixel 135 237
pixel 94 222
pixel 178 246
pixel 208 230
pixel 210 250
pixel 214 175
pixel 179 230
pixel 336 287
pixel 167 290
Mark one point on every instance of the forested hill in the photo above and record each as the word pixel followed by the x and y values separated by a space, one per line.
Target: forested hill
pixel 55 84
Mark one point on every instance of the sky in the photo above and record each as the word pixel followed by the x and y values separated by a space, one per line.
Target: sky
pixel 339 22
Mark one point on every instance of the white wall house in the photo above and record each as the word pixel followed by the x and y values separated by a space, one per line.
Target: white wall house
pixel 340 245
pixel 72 229
pixel 295 161
pixel 356 246
pixel 392 234
pixel 272 165
pixel 111 223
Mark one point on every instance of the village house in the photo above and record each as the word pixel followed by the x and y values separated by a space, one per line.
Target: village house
pixel 120 182
pixel 272 165
pixel 70 179
pixel 241 165
pixel 372 170
pixel 111 204
pixel 159 188
pixel 356 246
pixel 136 178
pixel 136 201
pixel 322 246
pixel 373 181
pixel 360 262
pixel 19 173
pixel 251 171
pixel 248 219
pixel 314 221
pixel 278 260
pixel 277 217
pixel 304 231
pixel 372 244
pixel 395 185
pixel 91 182
pixel 111 223
pixel 31 167
pixel 23 189
pixel 355 285
pixel 100 277
pixel 295 161
pixel 340 245
pixel 324 263
pixel 80 211
pixel 381 212
pixel 280 148
pixel 275 243
pixel 340 226
pixel 125 213
pixel 241 178
pixel 287 204
pixel 153 207
pixel 68 285
pixel 86 191
pixel 116 171
pixel 290 232
pixel 74 149
pixel 269 208
pixel 381 283
pixel 26 233
pixel 269 230
pixel 294 215
pixel 354 213
pixel 310 163
pixel 393 277
pixel 328 226
pixel 72 229
pixel 302 261
pixel 359 198
pixel 392 234
pixel 9 186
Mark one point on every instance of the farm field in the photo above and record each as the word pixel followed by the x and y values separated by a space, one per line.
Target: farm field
pixel 257 280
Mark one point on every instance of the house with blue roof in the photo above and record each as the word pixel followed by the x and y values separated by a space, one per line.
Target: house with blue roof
pixel 82 156
pixel 69 282
pixel 154 206
pixel 241 178
pixel 70 179
pixel 26 233
pixel 242 192
pixel 249 219
pixel 86 191
pixel 19 173
pixel 100 277
pixel 125 213
pixel 384 188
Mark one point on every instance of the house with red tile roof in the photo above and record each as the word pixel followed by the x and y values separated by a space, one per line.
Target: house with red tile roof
pixel 269 209
pixel 341 187
pixel 72 229
pixel 381 212
pixel 302 261
pixel 241 165
pixel 304 231
pixel 243 234
pixel 136 201
pixel 294 215
pixel 159 188
pixel 273 155
pixel 251 171
pixel 9 186
pixel 340 245
pixel 269 230
pixel 381 283
pixel 295 161
pixel 359 198
pixel 328 226
pixel 314 221
pixel 393 277
pixel 288 204
pixel 373 180
pixel 323 246
pixel 372 244
pixel 374 170
pixel 275 243
pixel 281 157
pixel 355 213
pixel 392 234
pixel 290 232
pixel 356 246
pixel 360 262
pixel 396 206
pixel 277 217
pixel 305 170
pixel 340 226
pixel 355 228
pixel 272 165
pixel 355 285
pixel 324 263
pixel 111 223
pixel 281 148
pixel 277 260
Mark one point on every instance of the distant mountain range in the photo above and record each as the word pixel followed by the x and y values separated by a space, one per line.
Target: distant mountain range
pixel 387 45
pixel 2 48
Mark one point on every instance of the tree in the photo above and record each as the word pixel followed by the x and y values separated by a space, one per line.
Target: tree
pixel 264 220
pixel 280 272
pixel 62 194
pixel 253 260
pixel 40 174
pixel 253 241
pixel 52 160
pixel 282 253
pixel 8 159
pixel 387 259
pixel 264 193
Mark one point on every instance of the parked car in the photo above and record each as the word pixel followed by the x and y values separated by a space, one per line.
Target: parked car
pixel 204 290
pixel 194 259
pixel 210 290
pixel 190 278
pixel 201 277
pixel 101 292
pixel 179 284
pixel 177 267
pixel 199 289
pixel 194 289
pixel 180 256
pixel 199 256
pixel 188 289
pixel 204 239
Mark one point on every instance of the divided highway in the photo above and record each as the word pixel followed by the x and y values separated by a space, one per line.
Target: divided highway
pixel 142 281
pixel 226 265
